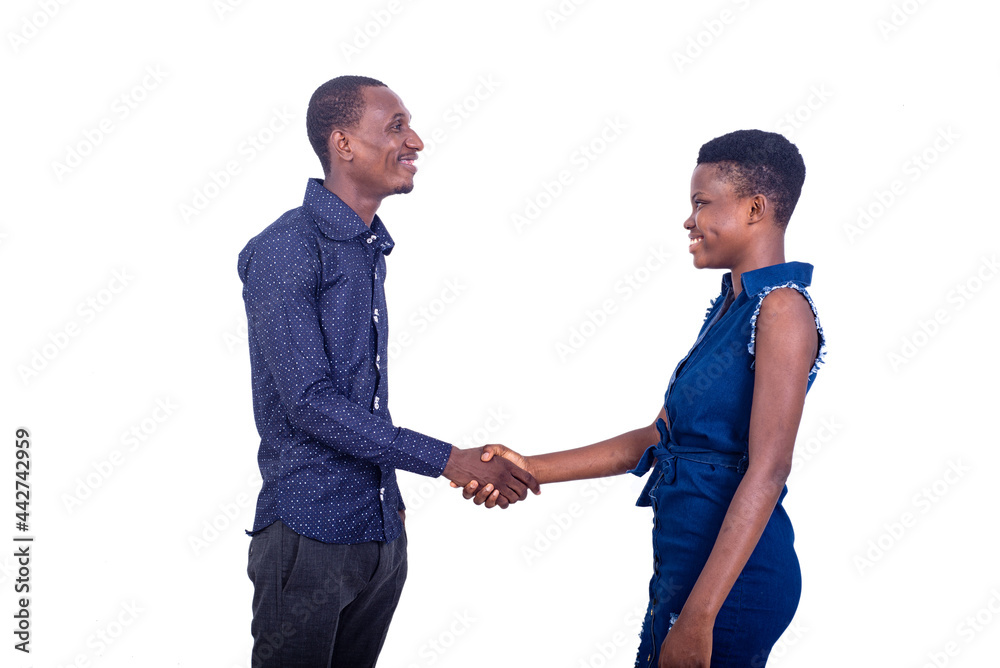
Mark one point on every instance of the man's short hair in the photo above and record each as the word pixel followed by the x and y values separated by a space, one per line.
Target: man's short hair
pixel 757 162
pixel 337 104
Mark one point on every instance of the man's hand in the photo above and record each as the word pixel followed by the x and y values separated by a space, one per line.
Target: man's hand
pixel 509 482
pixel 489 494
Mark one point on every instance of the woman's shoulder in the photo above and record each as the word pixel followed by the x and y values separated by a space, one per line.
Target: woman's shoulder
pixel 789 308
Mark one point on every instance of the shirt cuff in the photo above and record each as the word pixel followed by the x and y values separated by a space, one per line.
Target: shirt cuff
pixel 420 454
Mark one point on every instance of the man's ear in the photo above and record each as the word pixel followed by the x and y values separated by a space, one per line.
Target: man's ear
pixel 340 146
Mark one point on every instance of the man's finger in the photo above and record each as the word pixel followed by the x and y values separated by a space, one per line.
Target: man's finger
pixel 514 483
pixel 527 479
pixel 517 488
pixel 484 494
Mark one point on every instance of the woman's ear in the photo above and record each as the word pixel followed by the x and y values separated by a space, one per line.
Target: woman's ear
pixel 758 209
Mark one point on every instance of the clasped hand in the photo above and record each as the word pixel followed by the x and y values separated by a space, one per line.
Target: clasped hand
pixel 498 493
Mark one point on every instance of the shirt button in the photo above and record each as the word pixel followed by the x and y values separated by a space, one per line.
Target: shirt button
pixel 381 494
pixel 376 403
pixel 371 238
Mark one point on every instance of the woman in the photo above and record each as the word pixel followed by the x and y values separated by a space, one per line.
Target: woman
pixel 726 580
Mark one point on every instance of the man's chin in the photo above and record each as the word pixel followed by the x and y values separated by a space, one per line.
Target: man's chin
pixel 403 188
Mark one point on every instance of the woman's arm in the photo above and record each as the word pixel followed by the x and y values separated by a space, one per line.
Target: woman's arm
pixel 787 345
pixel 613 456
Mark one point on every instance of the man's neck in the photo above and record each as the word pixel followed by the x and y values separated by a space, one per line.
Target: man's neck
pixel 365 207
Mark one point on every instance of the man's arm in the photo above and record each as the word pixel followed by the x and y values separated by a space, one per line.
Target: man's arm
pixel 280 287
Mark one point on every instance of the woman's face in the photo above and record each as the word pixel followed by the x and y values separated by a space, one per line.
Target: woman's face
pixel 717 225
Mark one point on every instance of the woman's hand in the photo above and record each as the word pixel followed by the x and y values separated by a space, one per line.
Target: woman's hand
pixel 688 645
pixel 488 494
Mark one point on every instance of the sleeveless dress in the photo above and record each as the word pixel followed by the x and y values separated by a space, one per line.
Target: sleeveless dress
pixel 696 468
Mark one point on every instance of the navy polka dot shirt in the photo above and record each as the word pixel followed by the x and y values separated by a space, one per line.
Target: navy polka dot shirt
pixel 314 290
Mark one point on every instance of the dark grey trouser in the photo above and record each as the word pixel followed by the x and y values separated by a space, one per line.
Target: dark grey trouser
pixel 321 605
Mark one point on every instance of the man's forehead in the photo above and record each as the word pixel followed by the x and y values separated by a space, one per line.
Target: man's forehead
pixel 381 102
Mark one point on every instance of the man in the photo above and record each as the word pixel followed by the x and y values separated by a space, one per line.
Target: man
pixel 328 549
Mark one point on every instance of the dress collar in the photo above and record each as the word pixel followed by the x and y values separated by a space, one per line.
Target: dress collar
pixel 758 279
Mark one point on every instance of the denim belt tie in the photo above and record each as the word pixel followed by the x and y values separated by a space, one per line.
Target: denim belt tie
pixel 666 453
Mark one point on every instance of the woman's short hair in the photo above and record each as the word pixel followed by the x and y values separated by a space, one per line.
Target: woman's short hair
pixel 757 162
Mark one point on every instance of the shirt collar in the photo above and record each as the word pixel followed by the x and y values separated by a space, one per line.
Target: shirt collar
pixel 339 221
pixel 758 279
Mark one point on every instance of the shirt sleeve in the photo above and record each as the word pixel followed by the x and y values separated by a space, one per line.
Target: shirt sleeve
pixel 281 281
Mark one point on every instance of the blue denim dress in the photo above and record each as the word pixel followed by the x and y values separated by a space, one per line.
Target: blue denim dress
pixel 696 468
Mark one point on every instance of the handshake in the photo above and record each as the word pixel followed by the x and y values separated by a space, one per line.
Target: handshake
pixel 506 474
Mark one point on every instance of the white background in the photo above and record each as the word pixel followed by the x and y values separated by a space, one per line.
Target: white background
pixel 141 541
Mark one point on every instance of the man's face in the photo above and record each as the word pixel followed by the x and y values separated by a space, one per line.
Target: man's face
pixel 384 146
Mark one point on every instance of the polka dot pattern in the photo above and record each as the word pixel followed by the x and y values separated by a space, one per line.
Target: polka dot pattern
pixel 314 290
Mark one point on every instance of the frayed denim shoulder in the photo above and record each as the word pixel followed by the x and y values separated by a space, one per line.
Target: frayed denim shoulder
pixel 711 305
pixel 752 346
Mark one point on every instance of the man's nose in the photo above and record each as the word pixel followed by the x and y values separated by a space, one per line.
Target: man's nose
pixel 414 141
